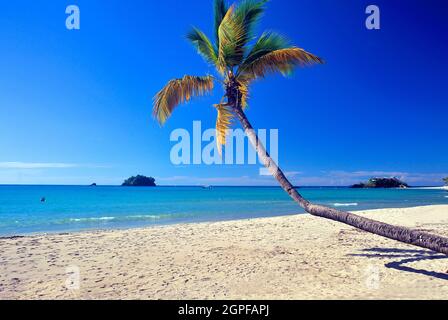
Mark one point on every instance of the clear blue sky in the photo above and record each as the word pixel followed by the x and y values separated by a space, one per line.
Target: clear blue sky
pixel 75 106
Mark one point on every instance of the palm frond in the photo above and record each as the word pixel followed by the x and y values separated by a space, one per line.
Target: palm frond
pixel 220 10
pixel 223 124
pixel 247 14
pixel 278 61
pixel 230 34
pixel 267 43
pixel 204 46
pixel 243 88
pixel 178 91
pixel 236 31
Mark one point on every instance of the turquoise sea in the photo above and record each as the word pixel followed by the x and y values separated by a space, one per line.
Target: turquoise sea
pixel 75 208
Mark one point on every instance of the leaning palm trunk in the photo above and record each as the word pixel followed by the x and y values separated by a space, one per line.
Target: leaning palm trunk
pixel 402 234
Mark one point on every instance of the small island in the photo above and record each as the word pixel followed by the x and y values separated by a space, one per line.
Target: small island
pixel 446 181
pixel 139 181
pixel 381 183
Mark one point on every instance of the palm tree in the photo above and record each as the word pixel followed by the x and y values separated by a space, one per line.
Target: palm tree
pixel 238 64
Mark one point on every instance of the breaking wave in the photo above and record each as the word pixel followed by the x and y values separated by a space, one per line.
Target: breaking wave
pixel 124 218
pixel 353 204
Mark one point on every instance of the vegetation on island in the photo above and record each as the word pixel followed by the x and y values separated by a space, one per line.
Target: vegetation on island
pixel 240 59
pixel 446 181
pixel 381 183
pixel 139 181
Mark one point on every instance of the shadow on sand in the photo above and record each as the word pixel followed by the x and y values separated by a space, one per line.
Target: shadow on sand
pixel 408 256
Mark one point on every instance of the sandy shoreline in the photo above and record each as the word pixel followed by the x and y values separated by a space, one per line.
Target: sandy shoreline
pixel 295 257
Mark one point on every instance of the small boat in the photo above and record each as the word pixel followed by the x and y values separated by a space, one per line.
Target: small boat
pixel 43 199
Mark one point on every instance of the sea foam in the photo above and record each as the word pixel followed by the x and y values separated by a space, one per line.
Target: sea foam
pixel 124 218
pixel 353 204
pixel 91 219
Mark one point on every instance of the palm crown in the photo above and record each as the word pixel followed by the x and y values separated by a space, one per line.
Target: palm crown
pixel 239 59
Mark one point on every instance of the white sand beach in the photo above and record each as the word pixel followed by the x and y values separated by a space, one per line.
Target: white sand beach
pixel 295 257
